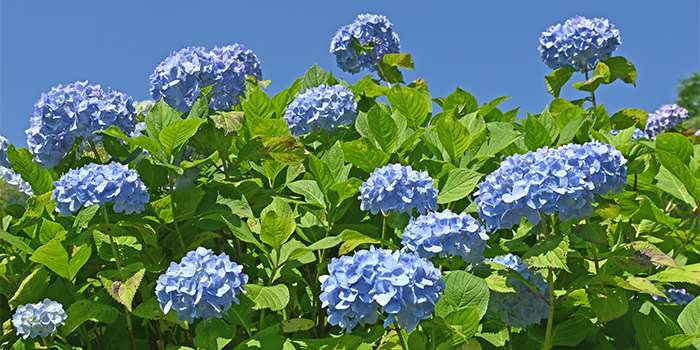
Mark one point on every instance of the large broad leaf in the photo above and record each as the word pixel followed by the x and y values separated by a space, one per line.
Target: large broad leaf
pixel 268 338
pixel 549 253
pixel 608 304
pixel 686 274
pixel 314 77
pixel 310 190
pixel 459 184
pixel 383 128
pixel 142 141
pixel 572 331
pixel 673 186
pixel 284 149
pixel 55 257
pixel 351 239
pixel 600 75
pixel 536 135
pixel 229 121
pixel 675 144
pixel 159 117
pixel 461 98
pixel 453 136
pixel 621 68
pixel 463 290
pixel 177 133
pixel 403 60
pixel 214 334
pixel 122 285
pixel 83 310
pixel 681 172
pixel 689 319
pixel 23 164
pixel 322 174
pixel 31 289
pixel 364 154
pixel 629 117
pixel 275 230
pixel 258 104
pixel 411 103
pixel 557 79
pixel 274 298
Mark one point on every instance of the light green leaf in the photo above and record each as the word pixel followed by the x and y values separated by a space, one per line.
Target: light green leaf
pixel 680 341
pixel 322 174
pixel 458 98
pixel 686 274
pixel 53 256
pixel 463 290
pixel 352 239
pixel 673 186
pixel 364 154
pixel 23 163
pixel 275 230
pixel 258 104
pixel 121 291
pixel 621 68
pixel 383 128
pixel 453 136
pixel 675 144
pixel 177 133
pixel 557 79
pixel 682 172
pixel 403 60
pixel 159 117
pixel 297 324
pixel 689 319
pixel 274 298
pixel 536 135
pixel 410 103
pixel 459 184
pixel 310 190
pixel 314 77
pixel 549 253
pixel 609 304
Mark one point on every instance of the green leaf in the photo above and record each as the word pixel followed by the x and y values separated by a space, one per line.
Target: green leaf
pixel 402 60
pixel 549 123
pixel 675 144
pixel 213 334
pixel 324 243
pixel 634 283
pixel 572 331
pixel 648 210
pixel 621 68
pixel 680 341
pixel 285 149
pixel 258 104
pixel 121 291
pixel 569 131
pixel 383 128
pixel 81 254
pixel 681 172
pixel 240 229
pixel 269 338
pixel 453 136
pixel 628 117
pixel 229 121
pixel 464 322
pixel 459 184
pixel 177 133
pixel 689 319
pixel 274 298
pixel 536 136
pixel 411 103
pixel 557 79
pixel 593 233
pixel 128 246
pixel 463 290
pixel 32 288
pixel 159 117
pixel 142 141
pixel 53 256
pixel 297 324
pixel 352 239
pixel 640 255
pixel 275 230
pixel 335 160
pixel 344 190
pixel 15 242
pixel 23 164
pixel 83 310
pixel 364 154
pixel 84 216
pixel 310 190
pixel 314 77
pixel 600 75
pixel 673 186
pixel 686 274
pixel 150 310
pixel 461 98
pixel 609 304
pixel 549 253
pixel 322 174
pixel 239 314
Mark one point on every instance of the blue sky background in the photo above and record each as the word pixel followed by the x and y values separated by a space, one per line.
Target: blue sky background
pixel 488 48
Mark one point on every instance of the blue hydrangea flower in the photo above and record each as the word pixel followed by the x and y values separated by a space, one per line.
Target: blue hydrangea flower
pixel 398 188
pixel 549 181
pixel 366 29
pixel 322 107
pixel 203 285
pixel 178 79
pixel 697 133
pixel 4 144
pixel 579 43
pixel 405 286
pixel 231 66
pixel 675 296
pixel 666 117
pixel 638 134
pixel 73 110
pixel 524 307
pixel 446 233
pixel 13 189
pixel 39 319
pixel 100 184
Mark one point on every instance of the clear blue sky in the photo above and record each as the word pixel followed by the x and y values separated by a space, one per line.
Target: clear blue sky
pixel 488 48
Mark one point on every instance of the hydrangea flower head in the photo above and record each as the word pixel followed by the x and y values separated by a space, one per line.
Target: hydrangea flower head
pixel 524 307
pixel 603 165
pixel 39 319
pixel 231 66
pixel 398 188
pixel 4 144
pixel 73 110
pixel 405 286
pixel 579 43
pixel 446 233
pixel 13 189
pixel 100 184
pixel 367 29
pixel 638 134
pixel 675 296
pixel 666 117
pixel 203 285
pixel 322 107
pixel 178 79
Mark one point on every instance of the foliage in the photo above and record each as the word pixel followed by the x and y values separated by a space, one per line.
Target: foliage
pixel 689 98
pixel 301 239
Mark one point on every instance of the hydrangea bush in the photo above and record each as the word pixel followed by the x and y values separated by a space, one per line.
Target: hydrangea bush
pixel 373 215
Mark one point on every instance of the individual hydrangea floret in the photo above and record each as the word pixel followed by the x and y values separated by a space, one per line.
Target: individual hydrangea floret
pixel 665 118
pixel 675 296
pixel 75 110
pixel 231 66
pixel 39 319
pixel 405 286
pixel 321 108
pixel 100 184
pixel 367 29
pixel 579 43
pixel 13 189
pixel 697 133
pixel 398 188
pixel 638 134
pixel 446 233
pixel 203 285
pixel 4 143
pixel 524 307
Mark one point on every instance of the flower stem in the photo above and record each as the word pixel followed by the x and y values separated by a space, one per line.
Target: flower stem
pixel 379 69
pixel 510 339
pixel 404 346
pixel 592 92
pixel 550 281
pixel 177 227
pixel 94 150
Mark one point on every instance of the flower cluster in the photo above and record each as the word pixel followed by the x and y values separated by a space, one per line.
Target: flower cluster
pixel 368 30
pixel 524 307
pixel 4 143
pixel 74 110
pixel 203 285
pixel 550 180
pixel 179 79
pixel 638 134
pixel 323 107
pixel 444 234
pixel 100 184
pixel 398 188
pixel 579 43
pixel 39 319
pixel 13 189
pixel 405 286
pixel 666 117
pixel 675 296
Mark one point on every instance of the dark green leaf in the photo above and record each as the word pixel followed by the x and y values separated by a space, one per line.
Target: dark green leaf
pixel 463 290
pixel 536 135
pixel 83 310
pixel 213 334
pixel 571 332
pixel 608 304
pixel 32 288
pixel 629 117
pixel 314 77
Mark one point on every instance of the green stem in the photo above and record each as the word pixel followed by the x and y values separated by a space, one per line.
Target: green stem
pixel 510 339
pixel 379 69
pixel 177 227
pixel 404 346
pixel 550 318
pixel 595 259
pixel 592 92
pixel 94 150
pixel 383 226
